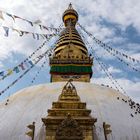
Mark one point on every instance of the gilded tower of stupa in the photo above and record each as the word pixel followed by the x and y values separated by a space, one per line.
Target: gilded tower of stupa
pixel 69 119
pixel 70 59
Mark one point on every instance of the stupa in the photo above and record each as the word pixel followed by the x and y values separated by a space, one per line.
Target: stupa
pixel 70 107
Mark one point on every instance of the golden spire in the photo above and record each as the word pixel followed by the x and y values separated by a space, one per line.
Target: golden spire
pixel 70 36
pixel 70 6
pixel 70 59
pixel 70 16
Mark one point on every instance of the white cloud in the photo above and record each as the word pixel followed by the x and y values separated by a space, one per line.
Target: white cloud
pixel 121 12
pixel 132 89
pixel 1 65
pixel 116 40
pixel 111 69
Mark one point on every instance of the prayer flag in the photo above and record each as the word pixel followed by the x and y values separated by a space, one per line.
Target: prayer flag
pixel 30 22
pixel 45 27
pixel 37 36
pixel 30 62
pixel 17 17
pixel 30 134
pixel 37 21
pixel 16 69
pixel 26 32
pixel 1 15
pixel 21 33
pixel 9 72
pixel 10 16
pixel 6 29
pixel 17 31
pixel 22 66
pixel 40 27
pixel 33 35
pixel 2 73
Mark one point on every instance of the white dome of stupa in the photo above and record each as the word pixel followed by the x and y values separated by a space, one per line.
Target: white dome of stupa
pixel 31 104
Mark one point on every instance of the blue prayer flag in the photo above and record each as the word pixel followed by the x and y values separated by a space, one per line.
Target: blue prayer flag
pixel 16 69
pixel 6 29
pixel 31 63
pixel 2 73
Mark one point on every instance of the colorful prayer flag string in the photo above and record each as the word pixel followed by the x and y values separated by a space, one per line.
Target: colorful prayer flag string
pixel 27 62
pixel 108 47
pixel 37 22
pixel 24 63
pixel 104 67
pixel 25 72
pixel 34 78
pixel 110 76
pixel 39 71
pixel 36 36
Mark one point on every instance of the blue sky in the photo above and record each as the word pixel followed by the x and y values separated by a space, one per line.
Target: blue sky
pixel 116 23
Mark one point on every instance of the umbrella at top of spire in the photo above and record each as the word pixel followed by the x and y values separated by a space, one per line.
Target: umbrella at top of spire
pixel 70 16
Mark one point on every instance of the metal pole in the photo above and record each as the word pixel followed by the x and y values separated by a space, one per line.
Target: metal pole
pixel 104 131
pixel 33 130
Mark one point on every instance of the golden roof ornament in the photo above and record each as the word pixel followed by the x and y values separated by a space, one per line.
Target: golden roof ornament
pixel 70 16
pixel 69 130
pixel 69 92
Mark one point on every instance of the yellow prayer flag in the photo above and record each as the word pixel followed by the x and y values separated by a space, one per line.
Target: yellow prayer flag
pixel 9 72
pixel 16 30
pixel 31 126
pixel 108 131
pixel 30 134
